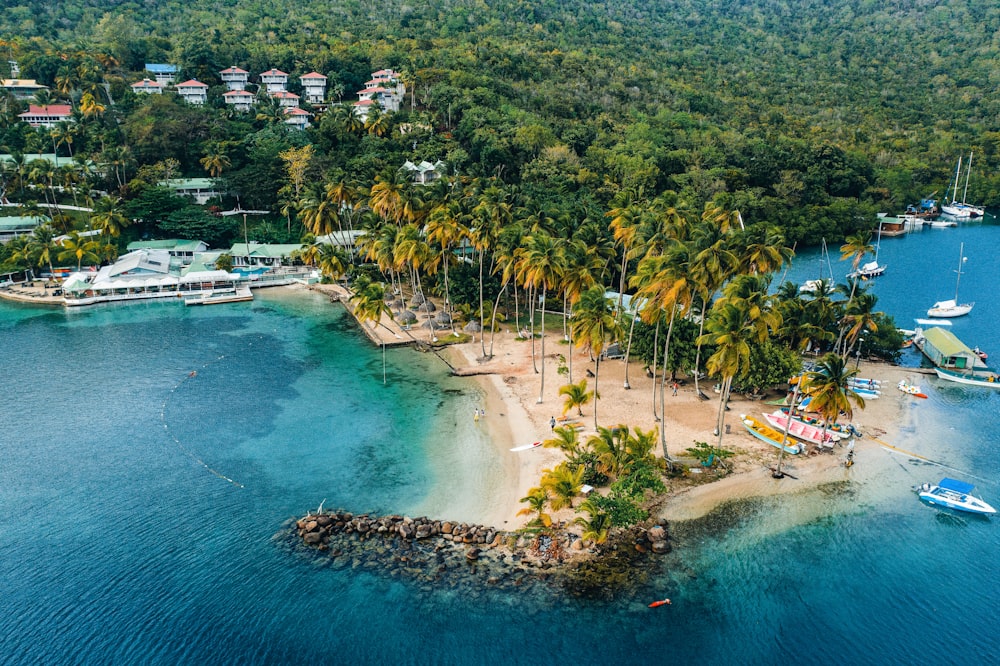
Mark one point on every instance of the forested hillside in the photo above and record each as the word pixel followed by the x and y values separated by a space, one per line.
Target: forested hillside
pixel 808 115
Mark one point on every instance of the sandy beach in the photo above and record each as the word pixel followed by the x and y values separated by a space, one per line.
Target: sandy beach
pixel 515 416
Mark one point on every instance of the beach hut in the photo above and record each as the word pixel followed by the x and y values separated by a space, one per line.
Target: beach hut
pixel 945 350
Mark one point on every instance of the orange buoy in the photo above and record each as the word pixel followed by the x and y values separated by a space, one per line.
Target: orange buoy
pixel 661 602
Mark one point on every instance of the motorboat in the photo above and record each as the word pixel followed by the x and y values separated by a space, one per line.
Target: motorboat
pixel 802 431
pixel 766 433
pixel 954 494
pixel 218 296
pixel 985 380
pixel 952 308
pixel 870 270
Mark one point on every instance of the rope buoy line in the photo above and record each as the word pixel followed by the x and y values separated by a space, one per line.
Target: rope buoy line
pixel 189 453
pixel 895 449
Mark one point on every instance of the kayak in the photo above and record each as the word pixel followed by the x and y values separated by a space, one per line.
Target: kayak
pixel 533 445
pixel 661 602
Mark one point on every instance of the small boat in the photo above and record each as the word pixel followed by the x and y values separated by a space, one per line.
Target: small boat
pixel 911 389
pixel 865 393
pixel 812 286
pixel 954 494
pixel 842 429
pixel 802 431
pixel 961 209
pixel 980 353
pixel 526 447
pixel 985 380
pixel 221 296
pixel 941 224
pixel 661 602
pixel 864 382
pixel 870 270
pixel 952 308
pixel 766 433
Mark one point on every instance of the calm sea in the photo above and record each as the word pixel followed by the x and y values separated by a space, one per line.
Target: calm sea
pixel 140 504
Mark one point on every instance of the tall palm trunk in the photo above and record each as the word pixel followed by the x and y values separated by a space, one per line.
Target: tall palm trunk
pixel 493 319
pixel 541 387
pixel 656 349
pixel 663 387
pixel 697 353
pixel 482 327
pixel 727 383
pixel 531 325
pixel 597 375
pixel 628 350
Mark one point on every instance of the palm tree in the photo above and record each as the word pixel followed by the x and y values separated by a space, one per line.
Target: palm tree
pixel 828 384
pixel 215 163
pixel 611 447
pixel 567 440
pixel 79 248
pixel 369 307
pixel 377 122
pixel 89 106
pixel 855 248
pixel 593 325
pixel 731 331
pixel 597 527
pixel 577 396
pixel 860 317
pixel 42 246
pixel 108 216
pixel 540 264
pixel 536 499
pixel 564 483
pixel 444 228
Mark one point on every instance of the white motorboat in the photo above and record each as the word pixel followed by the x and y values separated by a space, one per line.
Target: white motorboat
pixel 983 379
pixel 870 270
pixel 952 308
pixel 954 494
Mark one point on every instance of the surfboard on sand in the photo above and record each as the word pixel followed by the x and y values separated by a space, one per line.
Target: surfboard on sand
pixel 525 447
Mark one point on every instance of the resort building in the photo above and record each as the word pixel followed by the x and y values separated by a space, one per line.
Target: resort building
pixel 181 252
pixel 235 78
pixel 297 118
pixel 313 87
pixel 201 190
pixel 240 99
pixel 383 89
pixel 14 226
pixel 945 350
pixel 274 80
pixel 286 99
pixel 425 173
pixel 148 87
pixel 162 73
pixel 193 92
pixel 362 108
pixel 47 116
pixel 21 88
pixel 263 254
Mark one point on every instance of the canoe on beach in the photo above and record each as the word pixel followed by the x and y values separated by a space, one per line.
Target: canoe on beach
pixel 525 447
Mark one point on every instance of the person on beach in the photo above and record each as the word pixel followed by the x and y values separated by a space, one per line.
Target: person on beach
pixel 675 388
pixel 552 423
pixel 475 416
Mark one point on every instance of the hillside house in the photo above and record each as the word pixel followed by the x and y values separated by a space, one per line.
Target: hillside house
pixel 240 99
pixel 286 99
pixel 21 89
pixel 297 118
pixel 193 92
pixel 162 73
pixel 274 80
pixel 313 87
pixel 148 87
pixel 200 189
pixel 235 78
pixel 47 116
pixel 425 173
pixel 14 226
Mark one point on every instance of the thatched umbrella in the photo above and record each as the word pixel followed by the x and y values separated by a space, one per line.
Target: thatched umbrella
pixel 473 327
pixel 443 318
pixel 417 299
pixel 406 317
pixel 427 306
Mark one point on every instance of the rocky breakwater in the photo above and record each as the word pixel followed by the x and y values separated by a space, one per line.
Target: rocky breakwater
pixel 436 553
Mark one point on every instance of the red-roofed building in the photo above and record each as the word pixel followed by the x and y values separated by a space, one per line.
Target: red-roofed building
pixel 274 80
pixel 193 92
pixel 148 87
pixel 296 117
pixel 47 116
pixel 235 78
pixel 286 99
pixel 313 87
pixel 240 99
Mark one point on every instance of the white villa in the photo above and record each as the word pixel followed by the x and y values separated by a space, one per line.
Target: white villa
pixel 47 116
pixel 235 78
pixel 313 87
pixel 274 80
pixel 286 99
pixel 240 99
pixel 193 91
pixel 21 88
pixel 297 117
pixel 383 89
pixel 200 189
pixel 163 74
pixel 148 87
pixel 181 252
pixel 425 173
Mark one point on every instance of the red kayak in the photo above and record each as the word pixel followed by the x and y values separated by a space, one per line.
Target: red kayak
pixel 661 602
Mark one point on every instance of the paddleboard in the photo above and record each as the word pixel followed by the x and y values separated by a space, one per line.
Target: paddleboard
pixel 533 445
pixel 661 602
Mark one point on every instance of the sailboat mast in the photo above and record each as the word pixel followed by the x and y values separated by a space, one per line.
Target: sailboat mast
pixel 968 172
pixel 961 258
pixel 958 174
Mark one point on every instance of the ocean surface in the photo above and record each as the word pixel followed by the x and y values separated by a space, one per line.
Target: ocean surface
pixel 142 507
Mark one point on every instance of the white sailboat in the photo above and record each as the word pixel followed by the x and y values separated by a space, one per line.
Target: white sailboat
pixel 961 209
pixel 872 269
pixel 811 286
pixel 951 307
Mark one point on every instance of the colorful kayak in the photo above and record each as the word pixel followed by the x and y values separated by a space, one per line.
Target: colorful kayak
pixel 906 387
pixel 661 602
pixel 802 431
pixel 766 433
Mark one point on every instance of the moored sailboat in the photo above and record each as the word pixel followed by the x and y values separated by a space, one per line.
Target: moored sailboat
pixel 951 307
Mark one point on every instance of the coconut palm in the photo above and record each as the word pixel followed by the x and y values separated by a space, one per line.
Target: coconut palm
pixel 563 483
pixel 577 396
pixel 215 163
pixel 79 248
pixel 860 317
pixel 536 499
pixel 611 447
pixel 597 526
pixel 108 216
pixel 593 325
pixel 369 307
pixel 828 385
pixel 490 215
pixel 445 228
pixel 540 266
pixel 567 440
pixel 855 248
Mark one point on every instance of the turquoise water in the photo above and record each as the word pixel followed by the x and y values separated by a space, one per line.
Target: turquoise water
pixel 141 505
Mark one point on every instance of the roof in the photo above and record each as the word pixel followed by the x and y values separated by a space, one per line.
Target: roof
pixel 237 93
pixel 189 183
pixel 284 94
pixel 16 222
pixel 364 102
pixel 49 110
pixel 295 111
pixel 946 342
pixel 313 75
pixel 273 72
pixel 203 261
pixel 193 83
pixel 159 68
pixel 169 244
pixel 265 250
pixel 423 166
pixel 234 70
pixel 147 83
pixel 956 485
pixel 20 83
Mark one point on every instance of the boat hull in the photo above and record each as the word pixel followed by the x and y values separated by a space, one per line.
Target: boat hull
pixel 801 431
pixel 768 435
pixel 988 381
pixel 940 497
